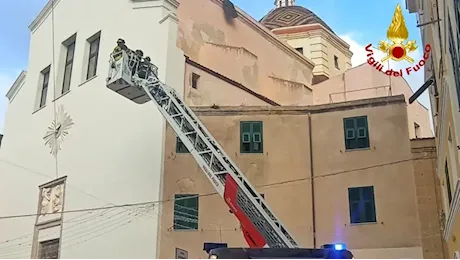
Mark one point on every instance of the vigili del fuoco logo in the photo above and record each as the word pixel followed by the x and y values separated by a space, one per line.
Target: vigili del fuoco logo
pixel 397 49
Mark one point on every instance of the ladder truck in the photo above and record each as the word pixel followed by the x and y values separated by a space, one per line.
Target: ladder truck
pixel 137 79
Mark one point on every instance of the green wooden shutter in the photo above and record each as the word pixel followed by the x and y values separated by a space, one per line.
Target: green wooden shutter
pixel 368 207
pixel 256 131
pixel 245 138
pixel 362 132
pixel 349 131
pixel 185 211
pixel 356 132
pixel 353 201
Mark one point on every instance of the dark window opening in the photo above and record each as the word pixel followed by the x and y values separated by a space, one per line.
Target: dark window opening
pixel 45 74
pixel 251 137
pixel 362 205
pixel 356 133
pixel 449 191
pixel 68 67
pixel 417 130
pixel 336 62
pixel 455 58
pixel 93 56
pixel 300 49
pixel 186 211
pixel 195 78
pixel 49 249
pixel 180 146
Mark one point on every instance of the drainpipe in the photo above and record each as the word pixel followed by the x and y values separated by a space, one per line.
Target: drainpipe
pixel 312 182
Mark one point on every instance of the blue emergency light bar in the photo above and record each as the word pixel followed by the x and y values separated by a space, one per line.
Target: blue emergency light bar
pixel 337 246
pixel 209 246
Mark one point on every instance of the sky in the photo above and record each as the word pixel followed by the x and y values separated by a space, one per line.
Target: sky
pixel 358 22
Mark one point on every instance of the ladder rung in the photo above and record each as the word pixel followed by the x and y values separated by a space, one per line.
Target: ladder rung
pixel 189 133
pixel 176 115
pixel 222 172
pixel 204 152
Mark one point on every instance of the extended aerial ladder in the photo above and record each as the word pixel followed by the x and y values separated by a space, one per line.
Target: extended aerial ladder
pixel 137 80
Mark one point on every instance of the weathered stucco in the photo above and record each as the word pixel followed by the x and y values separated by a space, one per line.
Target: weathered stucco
pixel 365 81
pixel 286 161
pixel 243 50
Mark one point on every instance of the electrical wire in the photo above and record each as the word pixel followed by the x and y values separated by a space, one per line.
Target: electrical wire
pixel 75 238
pixel 192 218
pixel 54 82
pixel 25 250
pixel 214 193
pixel 93 232
pixel 66 239
pixel 67 183
pixel 30 234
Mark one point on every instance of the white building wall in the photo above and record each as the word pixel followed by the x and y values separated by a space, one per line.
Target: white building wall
pixel 113 153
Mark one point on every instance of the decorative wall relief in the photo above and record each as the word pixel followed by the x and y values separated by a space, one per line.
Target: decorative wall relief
pixel 51 199
pixel 58 130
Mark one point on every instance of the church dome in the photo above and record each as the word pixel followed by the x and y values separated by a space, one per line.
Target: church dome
pixel 286 16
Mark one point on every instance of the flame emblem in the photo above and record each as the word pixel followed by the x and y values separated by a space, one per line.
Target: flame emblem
pixel 397 33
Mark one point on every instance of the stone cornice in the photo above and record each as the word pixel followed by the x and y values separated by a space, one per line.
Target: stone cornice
pixel 299 110
pixel 43 14
pixel 267 34
pixel 16 86
pixel 47 10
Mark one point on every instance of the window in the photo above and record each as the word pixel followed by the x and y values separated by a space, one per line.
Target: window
pixel 194 80
pixel 336 62
pixel 68 67
pixel 299 50
pixel 93 55
pixel 45 75
pixel 356 133
pixel 251 137
pixel 454 58
pixel 362 205
pixel 49 249
pixel 449 191
pixel 457 19
pixel 180 147
pixel 417 130
pixel 185 211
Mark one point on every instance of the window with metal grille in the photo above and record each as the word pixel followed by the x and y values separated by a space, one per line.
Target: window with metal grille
pixel 251 137
pixel 49 249
pixel 362 205
pixel 186 211
pixel 356 132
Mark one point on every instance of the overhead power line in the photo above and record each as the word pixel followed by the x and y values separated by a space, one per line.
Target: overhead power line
pixel 214 193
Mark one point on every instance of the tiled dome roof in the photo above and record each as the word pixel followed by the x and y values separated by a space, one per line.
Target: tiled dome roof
pixel 291 16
